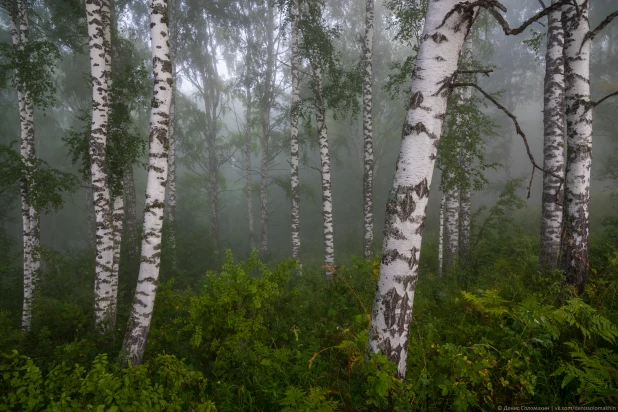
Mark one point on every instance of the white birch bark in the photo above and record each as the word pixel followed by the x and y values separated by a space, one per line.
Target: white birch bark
pixel 576 225
pixel 327 200
pixel 265 118
pixel 91 224
pixel 130 212
pixel 99 70
pixel 171 159
pixel 441 236
pixel 295 62
pixel 451 228
pixel 368 132
pixel 143 302
pixel 30 221
pixel 436 64
pixel 553 144
pixel 118 217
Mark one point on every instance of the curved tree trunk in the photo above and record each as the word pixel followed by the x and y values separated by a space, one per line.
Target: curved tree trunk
pixel 553 145
pixel 327 200
pixel 579 144
pixel 100 76
pixel 143 302
pixel 294 135
pixel 436 63
pixel 30 220
pixel 368 132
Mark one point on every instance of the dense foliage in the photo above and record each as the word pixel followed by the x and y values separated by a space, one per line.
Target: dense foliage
pixel 259 337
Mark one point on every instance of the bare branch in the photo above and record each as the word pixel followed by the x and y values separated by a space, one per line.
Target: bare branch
pixel 485 72
pixel 595 104
pixel 490 6
pixel 517 129
pixel 592 34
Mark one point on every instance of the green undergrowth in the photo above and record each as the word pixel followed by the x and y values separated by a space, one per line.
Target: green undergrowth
pixel 258 337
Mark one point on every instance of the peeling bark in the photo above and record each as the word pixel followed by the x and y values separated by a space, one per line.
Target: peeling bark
pixel 576 218
pixel 295 62
pixel 368 132
pixel 143 303
pixel 553 145
pixel 436 64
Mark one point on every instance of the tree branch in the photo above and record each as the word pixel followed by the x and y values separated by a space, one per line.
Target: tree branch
pixel 592 34
pixel 490 6
pixel 595 104
pixel 517 129
pixel 485 72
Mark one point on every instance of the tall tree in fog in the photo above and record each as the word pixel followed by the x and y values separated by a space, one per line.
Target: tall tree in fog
pixel 443 37
pixel 266 103
pixel 20 31
pixel 172 133
pixel 143 302
pixel 294 177
pixel 451 224
pixel 553 143
pixel 98 19
pixel 368 131
pixel 441 235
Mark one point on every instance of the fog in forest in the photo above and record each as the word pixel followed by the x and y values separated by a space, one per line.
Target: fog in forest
pixel 232 61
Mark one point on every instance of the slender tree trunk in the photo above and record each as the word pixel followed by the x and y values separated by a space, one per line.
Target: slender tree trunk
pixel 294 176
pixel 130 211
pixel 30 220
pixel 579 144
pixel 451 226
pixel 265 117
pixel 553 145
pixel 118 217
pixel 171 182
pixel 143 302
pixel 249 191
pixel 465 192
pixel 327 201
pixel 441 236
pixel 98 140
pixel 91 223
pixel 436 63
pixel 213 192
pixel 368 132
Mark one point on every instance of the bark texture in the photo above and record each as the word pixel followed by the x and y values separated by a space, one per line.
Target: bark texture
pixel 576 219
pixel 553 143
pixel 100 63
pixel 130 211
pixel 368 132
pixel 451 228
pixel 171 159
pixel 465 192
pixel 327 200
pixel 441 43
pixel 295 62
pixel 148 280
pixel 118 217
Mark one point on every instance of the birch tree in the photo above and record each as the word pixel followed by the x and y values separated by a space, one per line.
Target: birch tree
pixel 171 159
pixel 294 176
pixel 100 62
pixel 368 131
pixel 553 142
pixel 143 302
pixel 451 226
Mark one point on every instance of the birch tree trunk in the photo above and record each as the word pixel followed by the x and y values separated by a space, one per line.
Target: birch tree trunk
pixel 249 191
pixel 576 218
pixel 91 222
pixel 294 176
pixel 30 220
pixel 171 159
pixel 327 201
pixel 553 145
pixel 99 69
pixel 265 117
pixel 118 217
pixel 143 302
pixel 130 211
pixel 465 193
pixel 368 132
pixel 451 228
pixel 436 63
pixel 441 236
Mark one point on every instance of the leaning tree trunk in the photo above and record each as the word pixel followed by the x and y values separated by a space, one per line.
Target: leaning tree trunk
pixel 441 236
pixel 553 146
pixel 294 176
pixel 30 220
pixel 368 132
pixel 143 302
pixel 118 217
pixel 576 224
pixel 265 117
pixel 249 191
pixel 327 200
pixel 100 77
pixel 436 63
pixel 451 228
